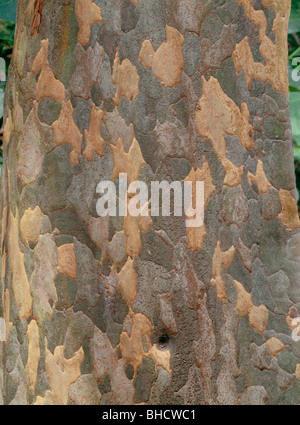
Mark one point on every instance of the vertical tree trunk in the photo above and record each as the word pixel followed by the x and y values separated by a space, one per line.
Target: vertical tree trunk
pixel 145 309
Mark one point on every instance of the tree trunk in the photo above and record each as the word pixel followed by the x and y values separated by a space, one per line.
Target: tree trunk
pixel 113 310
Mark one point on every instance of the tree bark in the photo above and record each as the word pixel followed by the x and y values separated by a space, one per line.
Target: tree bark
pixel 146 310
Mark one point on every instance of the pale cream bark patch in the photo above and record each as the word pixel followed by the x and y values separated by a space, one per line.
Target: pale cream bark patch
pixel 30 224
pixel 20 282
pixel 8 128
pixel 31 155
pixel 34 353
pixel 8 324
pixel 61 373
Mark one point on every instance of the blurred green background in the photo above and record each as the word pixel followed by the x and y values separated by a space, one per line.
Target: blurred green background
pixel 7 25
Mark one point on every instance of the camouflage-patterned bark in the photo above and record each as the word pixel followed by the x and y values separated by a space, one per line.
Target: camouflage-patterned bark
pixel 145 310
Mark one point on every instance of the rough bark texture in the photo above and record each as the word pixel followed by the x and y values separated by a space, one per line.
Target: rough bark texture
pixel 143 310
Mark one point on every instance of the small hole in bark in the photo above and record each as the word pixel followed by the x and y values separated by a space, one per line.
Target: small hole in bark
pixel 163 341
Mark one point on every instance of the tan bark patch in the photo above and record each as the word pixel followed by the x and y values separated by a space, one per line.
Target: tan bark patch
pixel 289 215
pixel 31 156
pixel 167 62
pixel 196 235
pixel 105 362
pixel 221 260
pixel 8 324
pixel 29 9
pixel 126 79
pixel 20 48
pixel 8 128
pixel 34 353
pixel 20 282
pixel 88 14
pixel 47 85
pixel 17 116
pixel 258 318
pixel 3 224
pixel 127 282
pixel 146 54
pixel 290 319
pixel 260 179
pixel 275 54
pixel 244 302
pixel 118 129
pixel 132 226
pixel 298 371
pixel 42 282
pixel 117 247
pixel 130 163
pixel 61 374
pixel 132 346
pixel 244 254
pixel 94 141
pixel 275 346
pixel 66 131
pixel 160 357
pixel 30 224
pixel 85 391
pixel 67 260
pixel 218 115
pixel 98 229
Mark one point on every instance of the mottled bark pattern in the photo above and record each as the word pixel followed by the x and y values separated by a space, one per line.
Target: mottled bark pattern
pixel 145 310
